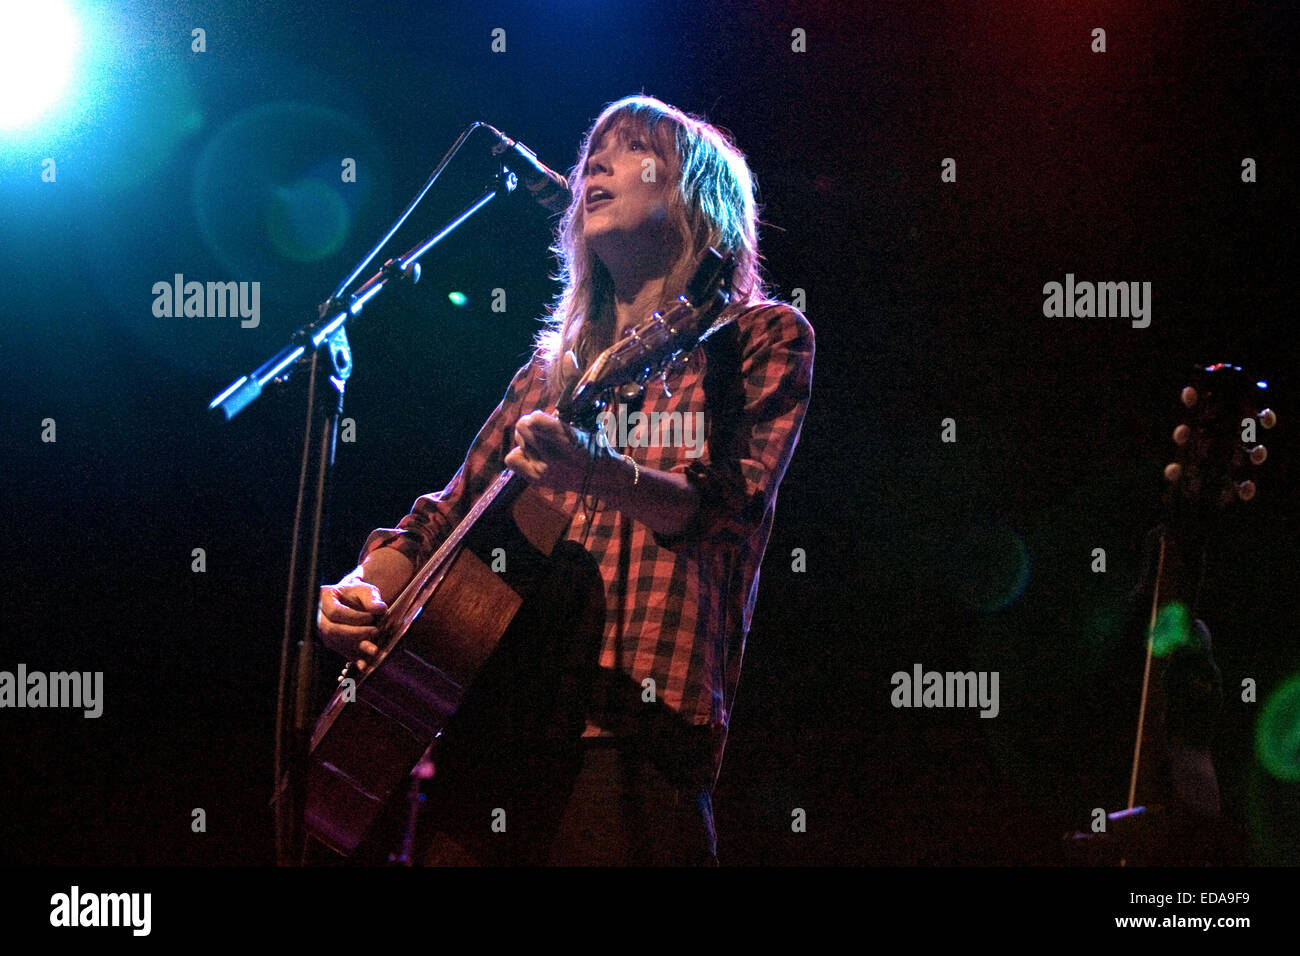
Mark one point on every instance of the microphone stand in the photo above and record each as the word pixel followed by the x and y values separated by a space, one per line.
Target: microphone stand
pixel 321 350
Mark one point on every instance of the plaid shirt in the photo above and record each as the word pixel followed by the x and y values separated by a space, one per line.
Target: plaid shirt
pixel 678 608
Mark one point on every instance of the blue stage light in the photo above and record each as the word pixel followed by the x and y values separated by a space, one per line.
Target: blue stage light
pixel 39 43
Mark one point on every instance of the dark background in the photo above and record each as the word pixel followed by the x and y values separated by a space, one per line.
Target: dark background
pixel 927 302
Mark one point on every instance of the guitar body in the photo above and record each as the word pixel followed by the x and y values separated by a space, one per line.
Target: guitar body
pixel 529 632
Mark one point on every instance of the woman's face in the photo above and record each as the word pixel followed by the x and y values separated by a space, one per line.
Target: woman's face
pixel 625 189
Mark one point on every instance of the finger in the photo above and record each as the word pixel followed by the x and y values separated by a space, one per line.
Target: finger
pixel 363 596
pixel 549 434
pixel 524 434
pixel 528 453
pixel 347 635
pixel 528 467
pixel 542 423
pixel 340 613
pixel 550 430
pixel 368 648
pixel 519 462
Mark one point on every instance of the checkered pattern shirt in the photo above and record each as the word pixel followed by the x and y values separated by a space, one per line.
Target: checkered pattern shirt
pixel 678 607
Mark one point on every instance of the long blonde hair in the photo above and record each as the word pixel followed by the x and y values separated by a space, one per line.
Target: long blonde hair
pixel 710 203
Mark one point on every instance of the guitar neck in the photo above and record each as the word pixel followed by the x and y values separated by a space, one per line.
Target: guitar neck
pixel 1174 591
pixel 407 605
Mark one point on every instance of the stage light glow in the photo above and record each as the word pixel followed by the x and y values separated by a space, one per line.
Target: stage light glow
pixel 267 189
pixel 1173 629
pixel 991 568
pixel 1277 734
pixel 457 299
pixel 39 43
pixel 307 220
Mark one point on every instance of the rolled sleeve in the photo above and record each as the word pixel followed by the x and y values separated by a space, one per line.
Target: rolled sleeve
pixel 747 455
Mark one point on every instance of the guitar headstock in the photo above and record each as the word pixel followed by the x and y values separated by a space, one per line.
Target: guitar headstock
pixel 1218 449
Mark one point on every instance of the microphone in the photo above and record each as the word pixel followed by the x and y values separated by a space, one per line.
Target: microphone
pixel 548 188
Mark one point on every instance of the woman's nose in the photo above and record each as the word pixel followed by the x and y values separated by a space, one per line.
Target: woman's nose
pixel 596 163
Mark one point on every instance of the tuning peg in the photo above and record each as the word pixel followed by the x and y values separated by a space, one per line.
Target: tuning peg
pixel 1258 454
pixel 1181 434
pixel 1189 396
pixel 1267 418
pixel 1246 490
pixel 1173 471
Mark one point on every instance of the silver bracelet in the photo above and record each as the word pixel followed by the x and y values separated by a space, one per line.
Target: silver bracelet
pixel 636 471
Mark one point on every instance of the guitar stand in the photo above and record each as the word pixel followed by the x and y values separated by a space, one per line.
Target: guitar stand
pixel 320 350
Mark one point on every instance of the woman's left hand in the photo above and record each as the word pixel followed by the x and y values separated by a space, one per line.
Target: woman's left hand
pixel 550 453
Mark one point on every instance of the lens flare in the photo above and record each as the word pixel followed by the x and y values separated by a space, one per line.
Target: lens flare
pixel 1277 735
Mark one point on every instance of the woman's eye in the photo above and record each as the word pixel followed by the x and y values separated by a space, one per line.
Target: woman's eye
pixel 636 144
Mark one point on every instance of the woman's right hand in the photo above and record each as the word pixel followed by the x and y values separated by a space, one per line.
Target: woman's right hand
pixel 347 617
